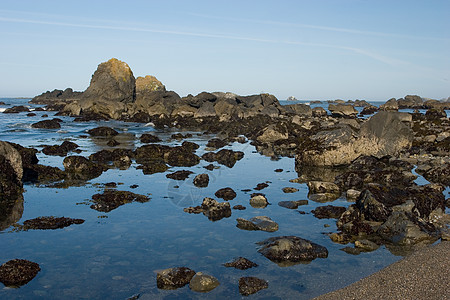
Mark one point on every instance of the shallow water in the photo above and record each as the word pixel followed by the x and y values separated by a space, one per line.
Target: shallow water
pixel 115 255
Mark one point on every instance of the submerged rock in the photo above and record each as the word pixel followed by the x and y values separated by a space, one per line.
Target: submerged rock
pixel 291 249
pixel 110 200
pixel 251 285
pixel 224 157
pixel 203 283
pixel 241 263
pixel 103 131
pixel 216 143
pixel 212 209
pixel 18 272
pixel 201 180
pixel 50 223
pixel 47 124
pixel 328 212
pixel 180 175
pixel 149 138
pixel 292 204
pixel 262 223
pixel 173 278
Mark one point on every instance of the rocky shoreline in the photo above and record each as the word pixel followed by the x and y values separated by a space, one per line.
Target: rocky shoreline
pixel 369 161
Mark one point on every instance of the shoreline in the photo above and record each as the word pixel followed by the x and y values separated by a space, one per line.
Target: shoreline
pixel 421 275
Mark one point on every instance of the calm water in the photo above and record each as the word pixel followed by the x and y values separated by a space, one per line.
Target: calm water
pixel 115 255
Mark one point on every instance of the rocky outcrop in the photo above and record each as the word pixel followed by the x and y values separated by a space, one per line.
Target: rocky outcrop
pixel 147 84
pixel 57 97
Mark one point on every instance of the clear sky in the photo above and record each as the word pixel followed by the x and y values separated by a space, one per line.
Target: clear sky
pixel 315 49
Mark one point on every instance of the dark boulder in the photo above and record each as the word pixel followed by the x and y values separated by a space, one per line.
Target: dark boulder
pixel 216 143
pixel 224 157
pixel 182 156
pixel 292 204
pixel 328 212
pixel 226 194
pixel 180 175
pixel 60 150
pixel 201 180
pixel 38 173
pixel 11 173
pixel 47 124
pixel 17 272
pixel 111 199
pixel 103 131
pixel 152 167
pixel 212 209
pixel 81 166
pixel 262 223
pixel 16 109
pixel 173 278
pixel 251 285
pixel 241 263
pixel 149 138
pixel 291 249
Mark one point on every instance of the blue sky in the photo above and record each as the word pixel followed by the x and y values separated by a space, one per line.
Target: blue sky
pixel 330 49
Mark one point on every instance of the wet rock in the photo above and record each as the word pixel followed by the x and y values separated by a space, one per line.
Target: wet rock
pixel 390 105
pixel 368 110
pixel 292 204
pixel 319 112
pixel 258 200
pixel 224 157
pixel 17 272
pixel 241 263
pixel 328 212
pixel 352 194
pixel 174 278
pixel 119 157
pixel 28 155
pixel 216 143
pixel 342 110
pixel 182 157
pixel 262 223
pixel 289 190
pixel 179 175
pixel 50 223
pixel 212 209
pixel 203 283
pixel 47 124
pixel 83 167
pixel 261 186
pixel 60 150
pixel 31 114
pixel 251 285
pixel 316 187
pixel 226 194
pixel 366 245
pixel 151 152
pixel 209 167
pixel 103 131
pixel 201 180
pixel 291 249
pixel 152 167
pixel 112 143
pixel 272 133
pixel 37 173
pixel 149 138
pixel 110 200
pixel 16 109
pixel 239 207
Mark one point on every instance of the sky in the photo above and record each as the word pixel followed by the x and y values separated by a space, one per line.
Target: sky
pixel 312 50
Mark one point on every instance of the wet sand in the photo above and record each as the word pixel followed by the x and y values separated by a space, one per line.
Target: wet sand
pixel 425 274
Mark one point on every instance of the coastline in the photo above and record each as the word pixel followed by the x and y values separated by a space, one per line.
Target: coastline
pixel 421 275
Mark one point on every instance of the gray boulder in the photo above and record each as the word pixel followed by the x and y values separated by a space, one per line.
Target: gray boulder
pixel 203 283
pixel 342 110
pixel 262 223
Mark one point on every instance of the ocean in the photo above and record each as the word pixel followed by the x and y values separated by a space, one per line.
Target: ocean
pixel 115 255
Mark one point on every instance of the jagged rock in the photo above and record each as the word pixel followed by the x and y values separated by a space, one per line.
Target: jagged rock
pixel 226 194
pixel 224 157
pixel 201 180
pixel 319 112
pixel 103 131
pixel 241 263
pixel 50 223
pixel 212 209
pixel 328 212
pixel 60 150
pixel 342 110
pixel 152 167
pixel 410 101
pixel 203 283
pixel 111 199
pixel 251 285
pixel 216 143
pixel 182 156
pixel 180 175
pixel 148 84
pixel 272 133
pixel 17 272
pixel 262 223
pixel 149 138
pixel 390 105
pixel 369 110
pixel 173 278
pixel 292 204
pixel 291 249
pixel 47 124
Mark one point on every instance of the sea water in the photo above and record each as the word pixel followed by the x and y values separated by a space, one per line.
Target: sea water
pixel 116 255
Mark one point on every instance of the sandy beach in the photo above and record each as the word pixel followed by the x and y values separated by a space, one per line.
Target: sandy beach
pixel 422 275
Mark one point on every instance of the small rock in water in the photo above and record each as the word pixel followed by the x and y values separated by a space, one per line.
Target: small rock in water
pixel 149 138
pixel 366 245
pixel 103 131
pixel 278 170
pixel 288 190
pixel 180 175
pixel 201 180
pixel 328 212
pixel 258 200
pixel 251 285
pixel 174 278
pixel 203 283
pixel 261 186
pixel 209 167
pixel 262 223
pixel 241 263
pixel 292 204
pixel 239 207
pixel 50 223
pixel 226 193
pixel 17 272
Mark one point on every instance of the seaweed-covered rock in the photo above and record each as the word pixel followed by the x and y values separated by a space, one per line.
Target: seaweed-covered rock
pixel 110 200
pixel 258 200
pixel 149 138
pixel 180 175
pixel 60 150
pixel 201 180
pixel 241 263
pixel 38 173
pixel 224 157
pixel 50 222
pixel 11 172
pixel 328 212
pixel 173 278
pixel 251 285
pixel 103 131
pixel 226 194
pixel 288 190
pixel 216 143
pixel 152 167
pixel 182 157
pixel 291 249
pixel 203 283
pixel 212 209
pixel 47 124
pixel 262 223
pixel 16 109
pixel 17 272
pixel 81 166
